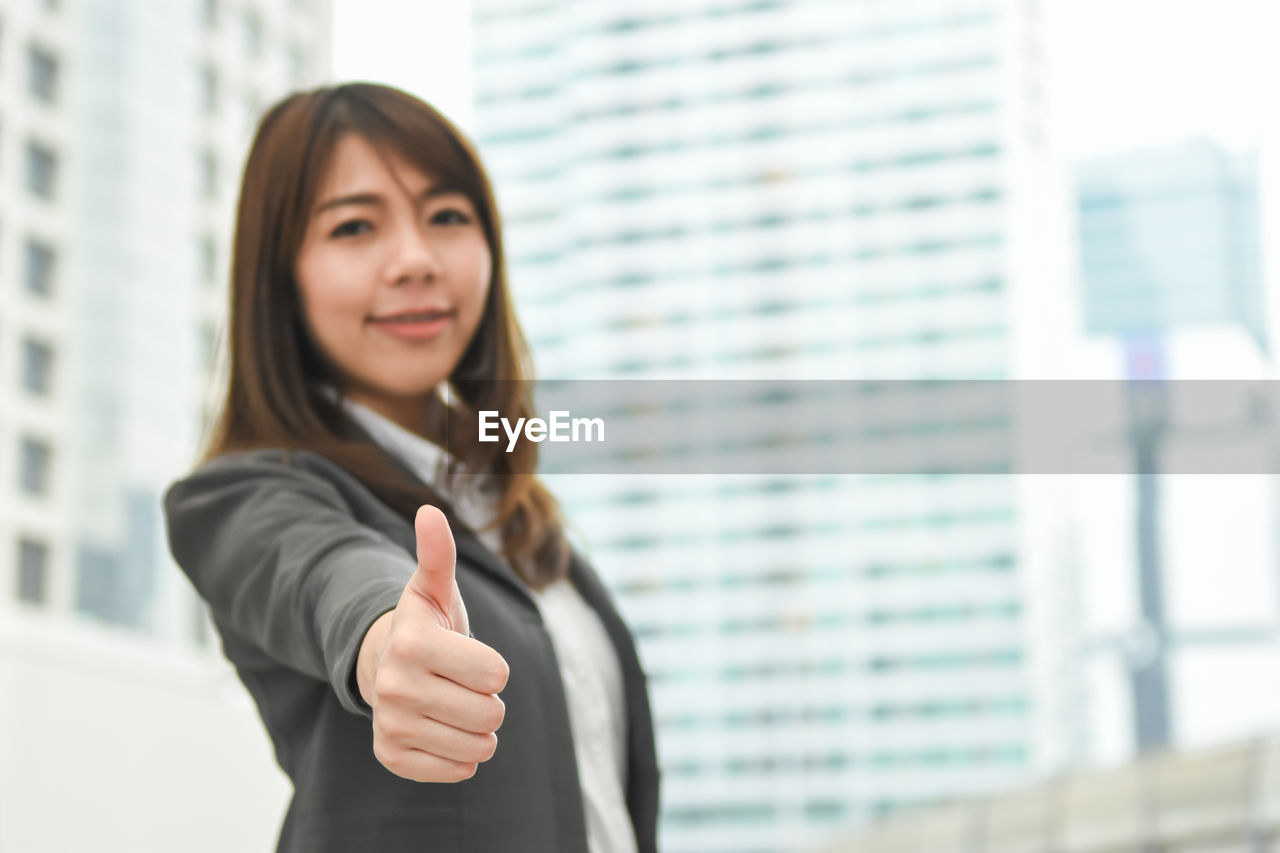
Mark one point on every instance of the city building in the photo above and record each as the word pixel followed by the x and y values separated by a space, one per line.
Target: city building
pixel 123 127
pixel 725 189
pixel 1170 239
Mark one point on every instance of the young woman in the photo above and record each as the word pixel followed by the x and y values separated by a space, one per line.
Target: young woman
pixel 436 668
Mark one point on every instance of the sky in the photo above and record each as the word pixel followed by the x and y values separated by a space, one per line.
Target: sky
pixel 1130 73
pixel 1125 73
pixel 422 46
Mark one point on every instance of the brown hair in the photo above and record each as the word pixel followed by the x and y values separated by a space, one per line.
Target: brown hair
pixel 272 398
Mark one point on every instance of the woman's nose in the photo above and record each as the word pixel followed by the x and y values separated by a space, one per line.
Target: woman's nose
pixel 413 258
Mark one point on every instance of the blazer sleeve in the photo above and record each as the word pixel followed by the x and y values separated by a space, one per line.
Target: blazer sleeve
pixel 280 560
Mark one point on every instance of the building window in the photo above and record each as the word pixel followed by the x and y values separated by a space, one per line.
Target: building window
pixel 35 462
pixel 40 262
pixel 33 571
pixel 252 33
pixel 252 107
pixel 209 88
pixel 208 260
pixel 297 65
pixel 37 367
pixel 42 74
pixel 42 170
pixel 208 344
pixel 209 175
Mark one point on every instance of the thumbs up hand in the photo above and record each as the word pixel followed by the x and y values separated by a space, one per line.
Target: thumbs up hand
pixel 432 688
pixel 433 585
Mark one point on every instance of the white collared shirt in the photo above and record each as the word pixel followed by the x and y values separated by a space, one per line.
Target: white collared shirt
pixel 587 660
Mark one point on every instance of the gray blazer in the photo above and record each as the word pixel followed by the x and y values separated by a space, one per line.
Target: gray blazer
pixel 296 559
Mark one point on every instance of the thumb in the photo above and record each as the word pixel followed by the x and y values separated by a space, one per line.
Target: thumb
pixel 434 578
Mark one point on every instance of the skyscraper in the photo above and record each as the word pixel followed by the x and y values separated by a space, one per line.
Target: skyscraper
pixel 126 130
pixel 811 190
pixel 36 215
pixel 1170 240
pixel 122 129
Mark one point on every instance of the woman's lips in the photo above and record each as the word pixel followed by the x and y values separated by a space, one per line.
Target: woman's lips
pixel 413 329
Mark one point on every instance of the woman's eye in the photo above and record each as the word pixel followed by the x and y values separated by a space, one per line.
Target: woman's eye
pixel 449 216
pixel 351 228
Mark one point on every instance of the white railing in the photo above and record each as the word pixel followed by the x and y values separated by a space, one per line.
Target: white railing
pixel 1224 800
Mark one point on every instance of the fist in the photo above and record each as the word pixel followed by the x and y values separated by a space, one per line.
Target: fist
pixel 434 690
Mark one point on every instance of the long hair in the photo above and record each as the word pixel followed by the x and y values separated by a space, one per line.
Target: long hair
pixel 275 370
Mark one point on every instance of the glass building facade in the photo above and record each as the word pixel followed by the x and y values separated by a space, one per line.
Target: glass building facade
pixel 1169 239
pixel 809 190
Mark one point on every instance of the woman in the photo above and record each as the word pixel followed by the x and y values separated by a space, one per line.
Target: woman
pixel 370 321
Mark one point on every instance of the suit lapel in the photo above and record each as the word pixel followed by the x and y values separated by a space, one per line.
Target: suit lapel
pixel 468 543
pixel 470 546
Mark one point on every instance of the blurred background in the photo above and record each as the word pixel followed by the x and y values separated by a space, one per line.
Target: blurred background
pixel 712 189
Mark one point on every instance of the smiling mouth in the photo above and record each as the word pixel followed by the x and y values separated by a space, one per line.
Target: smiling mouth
pixel 420 328
pixel 421 317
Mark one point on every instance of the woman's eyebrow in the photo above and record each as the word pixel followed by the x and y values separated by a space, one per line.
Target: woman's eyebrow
pixel 376 199
pixel 355 198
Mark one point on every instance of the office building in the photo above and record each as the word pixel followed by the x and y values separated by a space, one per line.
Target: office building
pixel 123 126
pixel 811 190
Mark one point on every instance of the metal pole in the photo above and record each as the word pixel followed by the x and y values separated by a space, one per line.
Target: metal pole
pixel 1148 665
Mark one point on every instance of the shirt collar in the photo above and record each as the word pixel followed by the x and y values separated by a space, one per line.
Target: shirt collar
pixel 427 459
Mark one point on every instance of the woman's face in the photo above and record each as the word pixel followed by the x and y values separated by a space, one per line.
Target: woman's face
pixel 393 273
